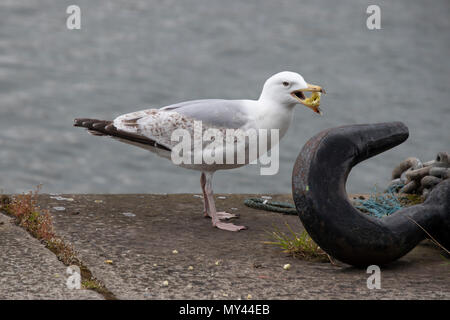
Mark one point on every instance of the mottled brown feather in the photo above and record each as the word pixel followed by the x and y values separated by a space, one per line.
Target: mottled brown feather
pixel 107 128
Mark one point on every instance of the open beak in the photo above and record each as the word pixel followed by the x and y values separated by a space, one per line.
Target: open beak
pixel 313 101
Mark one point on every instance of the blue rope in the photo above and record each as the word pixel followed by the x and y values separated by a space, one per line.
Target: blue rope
pixel 275 206
pixel 380 205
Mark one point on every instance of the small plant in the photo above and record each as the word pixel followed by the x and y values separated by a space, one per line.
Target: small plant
pixel 28 215
pixel 39 224
pixel 91 284
pixel 297 245
pixel 408 200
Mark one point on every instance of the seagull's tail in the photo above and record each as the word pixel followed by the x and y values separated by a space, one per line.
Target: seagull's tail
pixel 107 128
pixel 95 127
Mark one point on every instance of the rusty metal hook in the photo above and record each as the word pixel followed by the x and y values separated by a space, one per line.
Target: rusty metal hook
pixel 318 186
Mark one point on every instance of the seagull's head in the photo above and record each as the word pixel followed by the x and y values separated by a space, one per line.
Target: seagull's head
pixel 290 88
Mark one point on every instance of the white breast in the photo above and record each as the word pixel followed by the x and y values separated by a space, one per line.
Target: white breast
pixel 270 116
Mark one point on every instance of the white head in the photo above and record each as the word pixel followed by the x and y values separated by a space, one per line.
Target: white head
pixel 289 88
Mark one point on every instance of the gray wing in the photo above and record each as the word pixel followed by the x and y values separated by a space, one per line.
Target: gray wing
pixel 159 124
pixel 230 114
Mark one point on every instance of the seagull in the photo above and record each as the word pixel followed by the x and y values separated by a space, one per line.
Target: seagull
pixel 152 129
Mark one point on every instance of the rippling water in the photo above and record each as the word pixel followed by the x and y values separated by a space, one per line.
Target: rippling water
pixel 137 54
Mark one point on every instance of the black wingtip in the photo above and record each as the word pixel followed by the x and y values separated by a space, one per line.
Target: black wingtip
pixel 78 122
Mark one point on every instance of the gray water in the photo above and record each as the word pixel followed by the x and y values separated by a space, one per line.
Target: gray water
pixel 135 54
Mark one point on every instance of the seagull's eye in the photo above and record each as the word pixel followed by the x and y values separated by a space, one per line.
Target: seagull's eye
pixel 285 83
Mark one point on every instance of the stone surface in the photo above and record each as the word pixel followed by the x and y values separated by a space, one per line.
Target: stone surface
pixel 128 242
pixel 29 271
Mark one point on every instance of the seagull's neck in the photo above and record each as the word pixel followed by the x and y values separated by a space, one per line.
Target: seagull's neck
pixel 267 101
pixel 271 114
pixel 268 105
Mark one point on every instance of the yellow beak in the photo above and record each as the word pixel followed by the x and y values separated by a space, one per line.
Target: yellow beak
pixel 313 102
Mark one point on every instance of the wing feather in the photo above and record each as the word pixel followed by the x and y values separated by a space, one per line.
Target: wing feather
pixel 159 124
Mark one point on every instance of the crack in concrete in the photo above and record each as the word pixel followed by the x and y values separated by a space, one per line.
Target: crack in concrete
pixel 86 275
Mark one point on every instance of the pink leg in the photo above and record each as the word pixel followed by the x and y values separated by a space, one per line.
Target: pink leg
pixel 221 215
pixel 212 207
pixel 205 199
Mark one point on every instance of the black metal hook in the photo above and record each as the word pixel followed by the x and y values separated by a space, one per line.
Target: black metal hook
pixel 318 186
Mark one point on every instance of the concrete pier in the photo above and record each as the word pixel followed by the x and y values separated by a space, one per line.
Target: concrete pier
pixel 161 247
